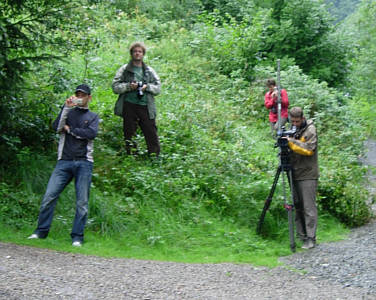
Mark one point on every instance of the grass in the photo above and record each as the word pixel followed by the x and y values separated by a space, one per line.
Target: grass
pixel 222 242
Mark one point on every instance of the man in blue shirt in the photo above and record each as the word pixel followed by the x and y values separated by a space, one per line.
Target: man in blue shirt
pixel 78 127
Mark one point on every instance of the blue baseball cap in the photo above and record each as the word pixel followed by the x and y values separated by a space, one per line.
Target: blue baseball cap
pixel 83 88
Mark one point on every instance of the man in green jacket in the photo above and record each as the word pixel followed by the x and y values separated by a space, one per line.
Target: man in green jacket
pixel 305 173
pixel 137 84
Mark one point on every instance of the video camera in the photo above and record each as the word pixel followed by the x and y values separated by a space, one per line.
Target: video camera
pixel 282 143
pixel 283 133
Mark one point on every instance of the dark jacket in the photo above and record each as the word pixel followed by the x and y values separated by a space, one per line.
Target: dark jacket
pixel 77 144
pixel 304 158
pixel 121 85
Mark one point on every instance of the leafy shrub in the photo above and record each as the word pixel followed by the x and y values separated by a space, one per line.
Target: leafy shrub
pixel 235 46
pixel 340 195
pixel 17 206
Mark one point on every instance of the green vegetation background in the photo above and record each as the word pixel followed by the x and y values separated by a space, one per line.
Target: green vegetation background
pixel 199 202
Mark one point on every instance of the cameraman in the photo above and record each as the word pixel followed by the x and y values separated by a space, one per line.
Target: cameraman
pixel 137 84
pixel 305 173
pixel 271 103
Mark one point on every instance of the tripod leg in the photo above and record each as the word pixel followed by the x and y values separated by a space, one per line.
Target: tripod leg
pixel 290 214
pixel 268 200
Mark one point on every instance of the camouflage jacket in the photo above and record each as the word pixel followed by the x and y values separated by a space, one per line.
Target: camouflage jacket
pixel 121 85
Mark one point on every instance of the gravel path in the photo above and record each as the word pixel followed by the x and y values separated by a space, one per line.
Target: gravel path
pixel 341 270
pixel 351 263
pixel 32 273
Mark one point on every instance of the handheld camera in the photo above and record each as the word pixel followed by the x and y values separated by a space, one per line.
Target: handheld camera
pixel 140 92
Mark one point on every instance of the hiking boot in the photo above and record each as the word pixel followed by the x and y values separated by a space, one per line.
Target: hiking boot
pixel 308 244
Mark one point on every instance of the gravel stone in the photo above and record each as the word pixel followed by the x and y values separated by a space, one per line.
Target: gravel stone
pixel 350 263
pixel 33 273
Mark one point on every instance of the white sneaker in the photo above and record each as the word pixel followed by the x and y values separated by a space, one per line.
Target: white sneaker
pixel 77 244
pixel 33 236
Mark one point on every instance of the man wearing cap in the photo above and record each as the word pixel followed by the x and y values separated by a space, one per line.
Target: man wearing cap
pixel 137 84
pixel 78 127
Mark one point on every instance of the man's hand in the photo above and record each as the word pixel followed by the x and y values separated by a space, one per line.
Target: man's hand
pixel 66 128
pixel 69 101
pixel 134 85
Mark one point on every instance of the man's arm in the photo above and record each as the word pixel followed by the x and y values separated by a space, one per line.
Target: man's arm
pixel 59 124
pixel 118 85
pixel 89 132
pixel 154 86
pixel 268 100
pixel 307 143
pixel 284 98
pixel 57 121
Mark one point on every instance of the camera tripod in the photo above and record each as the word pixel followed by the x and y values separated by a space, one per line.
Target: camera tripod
pixel 286 170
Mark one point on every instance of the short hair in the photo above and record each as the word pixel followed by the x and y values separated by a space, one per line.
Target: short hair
pixel 270 82
pixel 137 44
pixel 296 112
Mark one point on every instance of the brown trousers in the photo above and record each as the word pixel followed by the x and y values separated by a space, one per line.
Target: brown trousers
pixel 305 208
pixel 134 115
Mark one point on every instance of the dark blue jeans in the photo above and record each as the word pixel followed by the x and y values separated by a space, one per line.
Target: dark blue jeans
pixel 64 172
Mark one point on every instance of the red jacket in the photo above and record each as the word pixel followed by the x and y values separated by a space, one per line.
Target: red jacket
pixel 271 104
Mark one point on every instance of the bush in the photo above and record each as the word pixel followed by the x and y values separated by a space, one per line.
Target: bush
pixel 17 206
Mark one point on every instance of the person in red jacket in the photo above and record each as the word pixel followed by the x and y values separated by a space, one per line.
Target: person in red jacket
pixel 271 99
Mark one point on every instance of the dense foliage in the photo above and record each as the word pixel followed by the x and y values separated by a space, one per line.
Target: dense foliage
pixel 303 31
pixel 217 160
pixel 360 29
pixel 340 9
pixel 32 33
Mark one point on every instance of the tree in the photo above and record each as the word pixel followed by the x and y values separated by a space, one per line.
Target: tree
pixel 362 29
pixel 164 10
pixel 31 32
pixel 340 9
pixel 303 30
pixel 238 9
